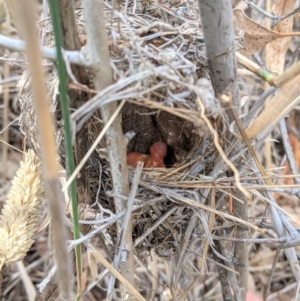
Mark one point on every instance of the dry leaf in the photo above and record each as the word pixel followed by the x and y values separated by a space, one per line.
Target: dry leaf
pixel 276 50
pixel 283 102
pixel 92 265
pixel 253 36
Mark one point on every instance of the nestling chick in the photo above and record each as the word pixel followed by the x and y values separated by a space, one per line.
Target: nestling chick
pixel 158 152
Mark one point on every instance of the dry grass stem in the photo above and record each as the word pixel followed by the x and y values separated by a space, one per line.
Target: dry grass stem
pixel 123 247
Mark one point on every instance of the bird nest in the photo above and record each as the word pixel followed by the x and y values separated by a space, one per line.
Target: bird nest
pixel 157 58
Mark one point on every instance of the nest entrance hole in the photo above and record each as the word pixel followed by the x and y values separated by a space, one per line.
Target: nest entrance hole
pixel 151 126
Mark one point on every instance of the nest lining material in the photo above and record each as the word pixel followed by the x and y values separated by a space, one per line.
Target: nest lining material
pixel 156 67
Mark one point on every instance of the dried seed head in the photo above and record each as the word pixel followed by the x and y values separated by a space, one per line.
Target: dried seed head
pixel 20 215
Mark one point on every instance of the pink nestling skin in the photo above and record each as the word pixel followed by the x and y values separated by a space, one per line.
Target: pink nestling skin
pixel 158 151
pixel 134 157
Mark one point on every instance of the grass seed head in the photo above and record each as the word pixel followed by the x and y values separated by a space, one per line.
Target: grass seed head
pixel 20 215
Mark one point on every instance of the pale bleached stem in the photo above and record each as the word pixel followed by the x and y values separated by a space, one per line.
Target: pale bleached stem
pixel 99 63
pixel 74 57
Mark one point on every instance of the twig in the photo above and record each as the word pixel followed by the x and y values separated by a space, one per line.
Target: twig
pixel 226 291
pixel 279 240
pixel 258 9
pixel 226 250
pixel 267 287
pixel 126 222
pixel 290 244
pixel 219 41
pixel 290 252
pixel 278 19
pixel 183 247
pixel 42 286
pixel 75 57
